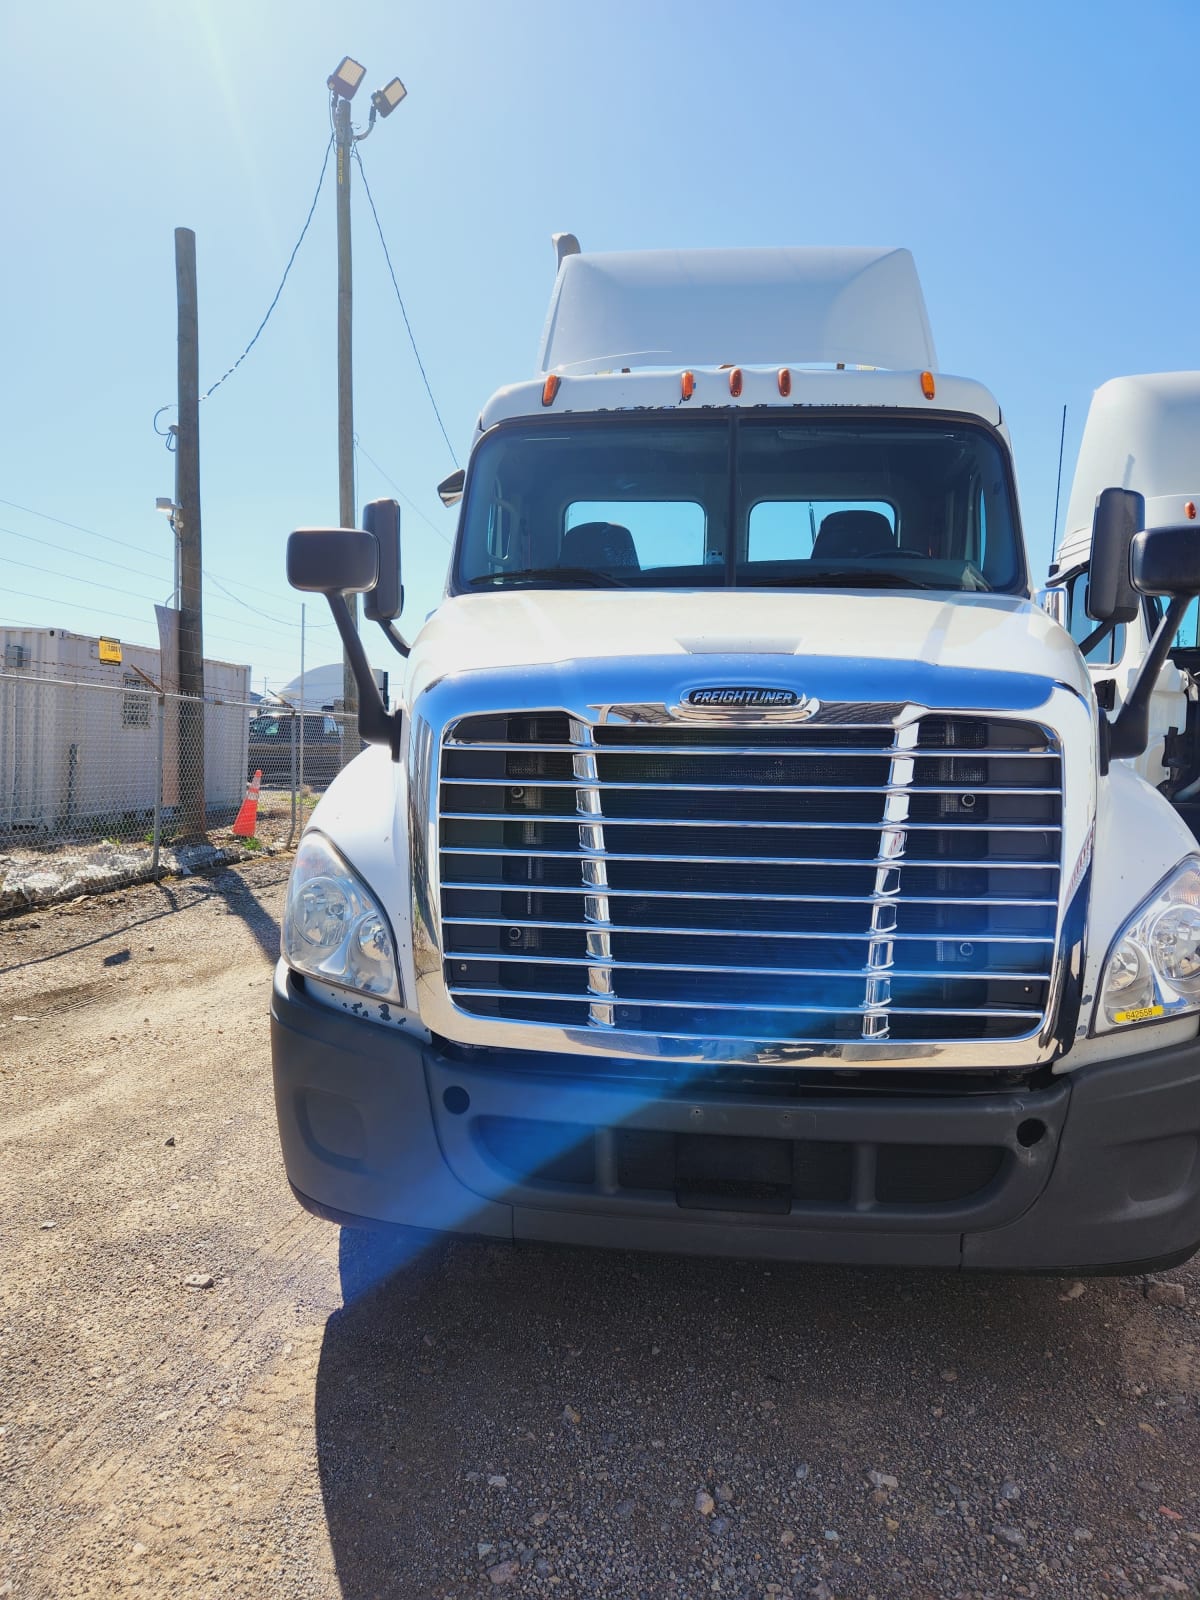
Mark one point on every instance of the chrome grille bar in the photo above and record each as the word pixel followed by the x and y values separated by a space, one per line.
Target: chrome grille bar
pixel 595 877
pixel 791 751
pixel 765 824
pixel 746 1005
pixel 884 915
pixel 754 861
pixel 692 932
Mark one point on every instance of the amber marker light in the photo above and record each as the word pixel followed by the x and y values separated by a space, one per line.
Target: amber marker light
pixel 550 389
pixel 785 382
pixel 928 387
pixel 1189 511
pixel 687 385
pixel 735 381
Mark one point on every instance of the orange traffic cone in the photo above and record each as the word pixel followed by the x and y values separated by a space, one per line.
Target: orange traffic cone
pixel 247 817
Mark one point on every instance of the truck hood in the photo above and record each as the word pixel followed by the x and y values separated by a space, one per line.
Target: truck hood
pixel 890 635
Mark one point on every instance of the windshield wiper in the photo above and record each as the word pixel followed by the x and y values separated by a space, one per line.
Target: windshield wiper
pixel 560 577
pixel 848 578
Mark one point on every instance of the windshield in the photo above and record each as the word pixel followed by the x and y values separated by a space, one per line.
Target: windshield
pixel 684 502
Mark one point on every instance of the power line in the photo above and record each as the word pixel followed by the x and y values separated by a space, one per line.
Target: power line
pixel 121 566
pixel 274 302
pixel 287 630
pixel 252 609
pixel 400 301
pixel 51 544
pixel 441 532
pixel 153 555
pixel 240 642
pixel 70 577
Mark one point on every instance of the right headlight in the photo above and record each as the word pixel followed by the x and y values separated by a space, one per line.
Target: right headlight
pixel 1153 967
pixel 334 928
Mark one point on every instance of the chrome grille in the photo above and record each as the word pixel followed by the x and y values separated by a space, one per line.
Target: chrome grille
pixel 823 882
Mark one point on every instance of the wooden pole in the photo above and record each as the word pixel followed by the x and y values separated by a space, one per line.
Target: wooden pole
pixel 191 599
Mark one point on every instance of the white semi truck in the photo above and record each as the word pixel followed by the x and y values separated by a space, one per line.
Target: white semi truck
pixel 747 865
pixel 1142 433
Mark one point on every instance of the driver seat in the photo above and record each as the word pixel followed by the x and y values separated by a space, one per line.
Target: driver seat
pixel 845 535
pixel 599 547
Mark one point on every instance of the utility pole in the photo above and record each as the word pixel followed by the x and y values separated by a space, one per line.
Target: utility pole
pixel 302 702
pixel 191 602
pixel 347 517
pixel 343 84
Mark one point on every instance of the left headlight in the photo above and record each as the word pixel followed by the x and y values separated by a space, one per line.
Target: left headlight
pixel 334 928
pixel 1153 967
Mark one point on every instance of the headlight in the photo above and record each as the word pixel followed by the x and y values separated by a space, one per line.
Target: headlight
pixel 1153 968
pixel 333 928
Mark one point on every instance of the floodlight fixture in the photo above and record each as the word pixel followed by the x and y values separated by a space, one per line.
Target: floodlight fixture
pixel 166 505
pixel 386 100
pixel 346 77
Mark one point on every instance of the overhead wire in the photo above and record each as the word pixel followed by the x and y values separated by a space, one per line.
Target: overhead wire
pixel 118 616
pixel 441 532
pixel 285 629
pixel 400 301
pixel 153 555
pixel 121 566
pixel 228 373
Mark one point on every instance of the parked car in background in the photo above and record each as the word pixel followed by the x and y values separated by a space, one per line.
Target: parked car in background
pixel 271 740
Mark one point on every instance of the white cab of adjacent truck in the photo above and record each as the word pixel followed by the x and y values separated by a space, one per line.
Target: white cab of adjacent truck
pixel 747 866
pixel 1143 434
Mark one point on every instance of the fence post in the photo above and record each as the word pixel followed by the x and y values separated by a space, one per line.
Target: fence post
pixel 158 786
pixel 292 723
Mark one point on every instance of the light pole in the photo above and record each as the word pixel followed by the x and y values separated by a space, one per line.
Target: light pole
pixel 343 83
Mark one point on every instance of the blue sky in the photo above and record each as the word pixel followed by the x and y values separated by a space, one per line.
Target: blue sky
pixel 1039 160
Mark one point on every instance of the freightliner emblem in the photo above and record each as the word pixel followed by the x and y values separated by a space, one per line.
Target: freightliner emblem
pixel 744 697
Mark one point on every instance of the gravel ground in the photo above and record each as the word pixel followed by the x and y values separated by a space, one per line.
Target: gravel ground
pixel 323 1422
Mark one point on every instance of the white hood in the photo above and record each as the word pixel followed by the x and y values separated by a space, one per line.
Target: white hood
pixel 531 628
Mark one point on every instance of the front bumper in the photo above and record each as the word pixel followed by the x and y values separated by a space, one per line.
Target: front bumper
pixel 1099 1170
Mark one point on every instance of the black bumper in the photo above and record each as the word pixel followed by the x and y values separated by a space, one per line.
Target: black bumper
pixel 1098 1171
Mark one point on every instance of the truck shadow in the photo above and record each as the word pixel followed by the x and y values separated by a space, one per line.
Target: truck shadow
pixel 561 1410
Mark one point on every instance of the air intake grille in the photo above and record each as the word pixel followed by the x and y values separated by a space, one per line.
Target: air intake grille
pixel 815 883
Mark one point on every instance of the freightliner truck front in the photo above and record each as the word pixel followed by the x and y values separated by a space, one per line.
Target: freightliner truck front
pixel 747 865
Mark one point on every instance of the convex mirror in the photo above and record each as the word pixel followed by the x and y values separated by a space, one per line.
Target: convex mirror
pixel 332 561
pixel 1111 597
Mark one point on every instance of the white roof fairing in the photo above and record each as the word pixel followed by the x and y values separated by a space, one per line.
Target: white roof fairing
pixel 769 306
pixel 1142 433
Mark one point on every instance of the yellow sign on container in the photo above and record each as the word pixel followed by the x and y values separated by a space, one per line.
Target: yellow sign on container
pixel 110 650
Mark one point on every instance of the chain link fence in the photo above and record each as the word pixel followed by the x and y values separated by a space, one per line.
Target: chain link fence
pixel 103 786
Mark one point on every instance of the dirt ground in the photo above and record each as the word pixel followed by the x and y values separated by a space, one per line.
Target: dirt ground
pixel 539 1422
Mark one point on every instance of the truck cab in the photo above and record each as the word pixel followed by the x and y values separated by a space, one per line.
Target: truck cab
pixel 1143 434
pixel 747 866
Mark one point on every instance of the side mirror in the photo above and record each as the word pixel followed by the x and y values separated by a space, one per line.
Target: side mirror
pixel 1111 597
pixel 385 601
pixel 450 490
pixel 336 562
pixel 332 561
pixel 1053 601
pixel 1162 560
pixel 1166 560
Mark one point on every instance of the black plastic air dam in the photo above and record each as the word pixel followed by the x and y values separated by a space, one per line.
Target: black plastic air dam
pixel 1101 1171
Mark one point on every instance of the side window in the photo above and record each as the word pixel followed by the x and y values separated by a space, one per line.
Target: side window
pixel 666 533
pixel 1108 650
pixel 786 530
pixel 1187 636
